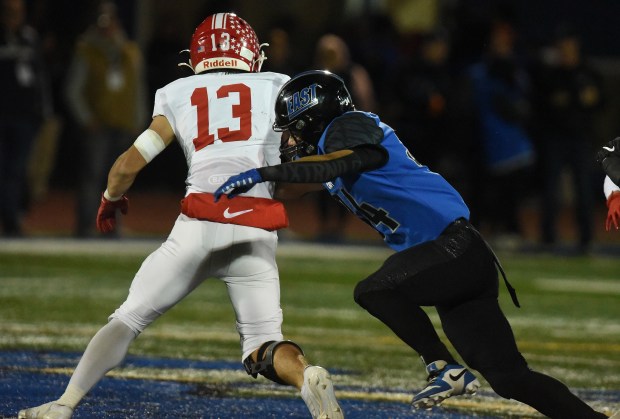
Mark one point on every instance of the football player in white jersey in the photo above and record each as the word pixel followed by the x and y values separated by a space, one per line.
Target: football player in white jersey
pixel 609 158
pixel 222 118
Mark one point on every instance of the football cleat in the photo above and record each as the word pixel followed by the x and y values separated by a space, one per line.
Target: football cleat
pixel 318 393
pixel 51 410
pixel 444 381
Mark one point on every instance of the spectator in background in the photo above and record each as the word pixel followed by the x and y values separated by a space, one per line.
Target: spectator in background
pixel 24 104
pixel 568 93
pixel 164 51
pixel 332 53
pixel 425 107
pixel 500 88
pixel 106 96
pixel 374 41
pixel 421 88
pixel 281 59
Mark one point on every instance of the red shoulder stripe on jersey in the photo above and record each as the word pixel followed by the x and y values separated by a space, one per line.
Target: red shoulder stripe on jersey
pixel 264 213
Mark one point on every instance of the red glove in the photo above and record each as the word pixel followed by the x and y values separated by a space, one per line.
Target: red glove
pixel 613 215
pixel 106 216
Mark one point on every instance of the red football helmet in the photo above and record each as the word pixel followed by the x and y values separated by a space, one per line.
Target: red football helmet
pixel 225 41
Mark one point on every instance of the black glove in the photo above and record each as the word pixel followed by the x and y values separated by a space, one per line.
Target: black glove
pixel 612 148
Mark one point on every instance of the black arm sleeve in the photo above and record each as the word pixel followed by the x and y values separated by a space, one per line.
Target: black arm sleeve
pixel 363 158
pixel 611 166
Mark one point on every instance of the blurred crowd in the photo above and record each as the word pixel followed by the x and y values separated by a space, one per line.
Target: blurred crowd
pixel 505 122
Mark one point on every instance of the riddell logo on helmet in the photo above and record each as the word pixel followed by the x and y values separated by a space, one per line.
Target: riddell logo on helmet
pixel 221 62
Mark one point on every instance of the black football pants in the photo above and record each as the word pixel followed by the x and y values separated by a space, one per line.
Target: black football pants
pixel 456 273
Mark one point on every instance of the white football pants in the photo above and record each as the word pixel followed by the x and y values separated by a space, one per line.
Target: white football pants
pixel 243 257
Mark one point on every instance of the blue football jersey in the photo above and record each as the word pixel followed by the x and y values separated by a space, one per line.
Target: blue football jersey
pixel 404 201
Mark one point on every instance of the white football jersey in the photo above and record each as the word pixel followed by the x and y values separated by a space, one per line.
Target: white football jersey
pixel 609 187
pixel 223 123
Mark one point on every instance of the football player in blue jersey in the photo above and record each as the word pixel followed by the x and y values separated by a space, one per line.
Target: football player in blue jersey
pixel 441 260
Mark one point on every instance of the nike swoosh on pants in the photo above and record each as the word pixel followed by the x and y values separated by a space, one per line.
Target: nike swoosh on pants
pixel 228 214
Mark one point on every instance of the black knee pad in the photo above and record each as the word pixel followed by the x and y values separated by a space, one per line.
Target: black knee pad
pixel 358 292
pixel 264 365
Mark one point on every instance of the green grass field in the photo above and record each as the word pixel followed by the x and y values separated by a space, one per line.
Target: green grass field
pixel 568 326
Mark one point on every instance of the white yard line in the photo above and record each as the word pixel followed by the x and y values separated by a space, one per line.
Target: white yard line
pixel 53 246
pixel 589 286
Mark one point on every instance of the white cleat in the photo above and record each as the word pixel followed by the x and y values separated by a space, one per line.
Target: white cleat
pixel 318 393
pixel 51 410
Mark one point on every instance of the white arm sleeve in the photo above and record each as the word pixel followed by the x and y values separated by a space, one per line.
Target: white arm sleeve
pixel 609 187
pixel 149 144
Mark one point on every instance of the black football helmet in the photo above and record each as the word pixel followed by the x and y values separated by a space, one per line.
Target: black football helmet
pixel 305 105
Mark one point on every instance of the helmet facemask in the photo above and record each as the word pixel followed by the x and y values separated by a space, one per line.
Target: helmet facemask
pixel 301 148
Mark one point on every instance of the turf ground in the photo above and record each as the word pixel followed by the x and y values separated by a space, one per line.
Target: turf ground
pixel 54 295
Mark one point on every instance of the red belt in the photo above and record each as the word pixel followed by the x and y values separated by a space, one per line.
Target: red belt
pixel 264 213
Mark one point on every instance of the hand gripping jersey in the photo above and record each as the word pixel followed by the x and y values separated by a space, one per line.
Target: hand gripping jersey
pixel 223 123
pixel 403 200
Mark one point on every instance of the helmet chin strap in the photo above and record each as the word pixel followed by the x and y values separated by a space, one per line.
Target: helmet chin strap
pixel 258 62
pixel 188 64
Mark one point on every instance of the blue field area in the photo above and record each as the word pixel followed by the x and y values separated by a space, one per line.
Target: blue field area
pixel 25 383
